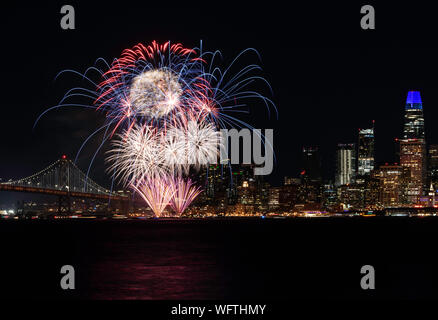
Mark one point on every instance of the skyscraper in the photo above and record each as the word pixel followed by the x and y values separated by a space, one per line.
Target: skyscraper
pixel 413 147
pixel 311 164
pixel 414 119
pixel 245 184
pixel 345 164
pixel 211 178
pixel 330 197
pixel 311 179
pixel 365 151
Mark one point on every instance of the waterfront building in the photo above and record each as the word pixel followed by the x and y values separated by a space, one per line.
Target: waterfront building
pixel 351 196
pixel 392 186
pixel 329 197
pixel 274 198
pixel 288 196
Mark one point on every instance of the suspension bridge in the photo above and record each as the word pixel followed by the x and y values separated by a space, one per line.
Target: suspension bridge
pixel 65 180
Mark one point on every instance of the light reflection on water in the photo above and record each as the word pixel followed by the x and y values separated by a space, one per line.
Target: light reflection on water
pixel 158 265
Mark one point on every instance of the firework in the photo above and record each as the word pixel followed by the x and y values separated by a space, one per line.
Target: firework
pixel 156 83
pixel 155 93
pixel 136 155
pixel 164 107
pixel 184 192
pixel 146 150
pixel 163 83
pixel 156 191
pixel 194 144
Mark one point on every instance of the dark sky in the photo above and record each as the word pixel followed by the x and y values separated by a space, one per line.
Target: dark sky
pixel 329 77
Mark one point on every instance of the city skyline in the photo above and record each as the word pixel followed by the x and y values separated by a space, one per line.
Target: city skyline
pixel 358 183
pixel 324 93
pixel 362 155
pixel 365 165
pixel 355 161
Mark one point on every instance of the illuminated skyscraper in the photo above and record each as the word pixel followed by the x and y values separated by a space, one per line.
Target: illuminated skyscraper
pixel 345 164
pixel 413 147
pixel 365 151
pixel 414 119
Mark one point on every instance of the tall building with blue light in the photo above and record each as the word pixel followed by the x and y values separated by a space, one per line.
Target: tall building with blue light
pixel 414 119
pixel 413 147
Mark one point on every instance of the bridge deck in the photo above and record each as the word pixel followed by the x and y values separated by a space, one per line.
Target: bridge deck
pixel 6 187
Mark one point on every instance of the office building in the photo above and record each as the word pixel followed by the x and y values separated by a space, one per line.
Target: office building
pixel 365 152
pixel 392 186
pixel 311 160
pixel 413 147
pixel 345 164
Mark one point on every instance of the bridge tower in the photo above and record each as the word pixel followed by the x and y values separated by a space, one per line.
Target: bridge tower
pixel 64 201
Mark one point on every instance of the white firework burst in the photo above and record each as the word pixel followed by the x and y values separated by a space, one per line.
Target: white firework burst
pixel 195 144
pixel 147 151
pixel 135 154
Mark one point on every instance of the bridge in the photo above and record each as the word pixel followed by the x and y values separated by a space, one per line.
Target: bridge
pixel 65 180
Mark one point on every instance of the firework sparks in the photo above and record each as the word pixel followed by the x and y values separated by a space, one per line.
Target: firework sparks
pixel 155 93
pixel 136 154
pixel 145 150
pixel 184 192
pixel 157 191
pixel 151 83
pixel 164 83
pixel 194 144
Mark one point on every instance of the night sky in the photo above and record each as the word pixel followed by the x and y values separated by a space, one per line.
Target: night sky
pixel 328 76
